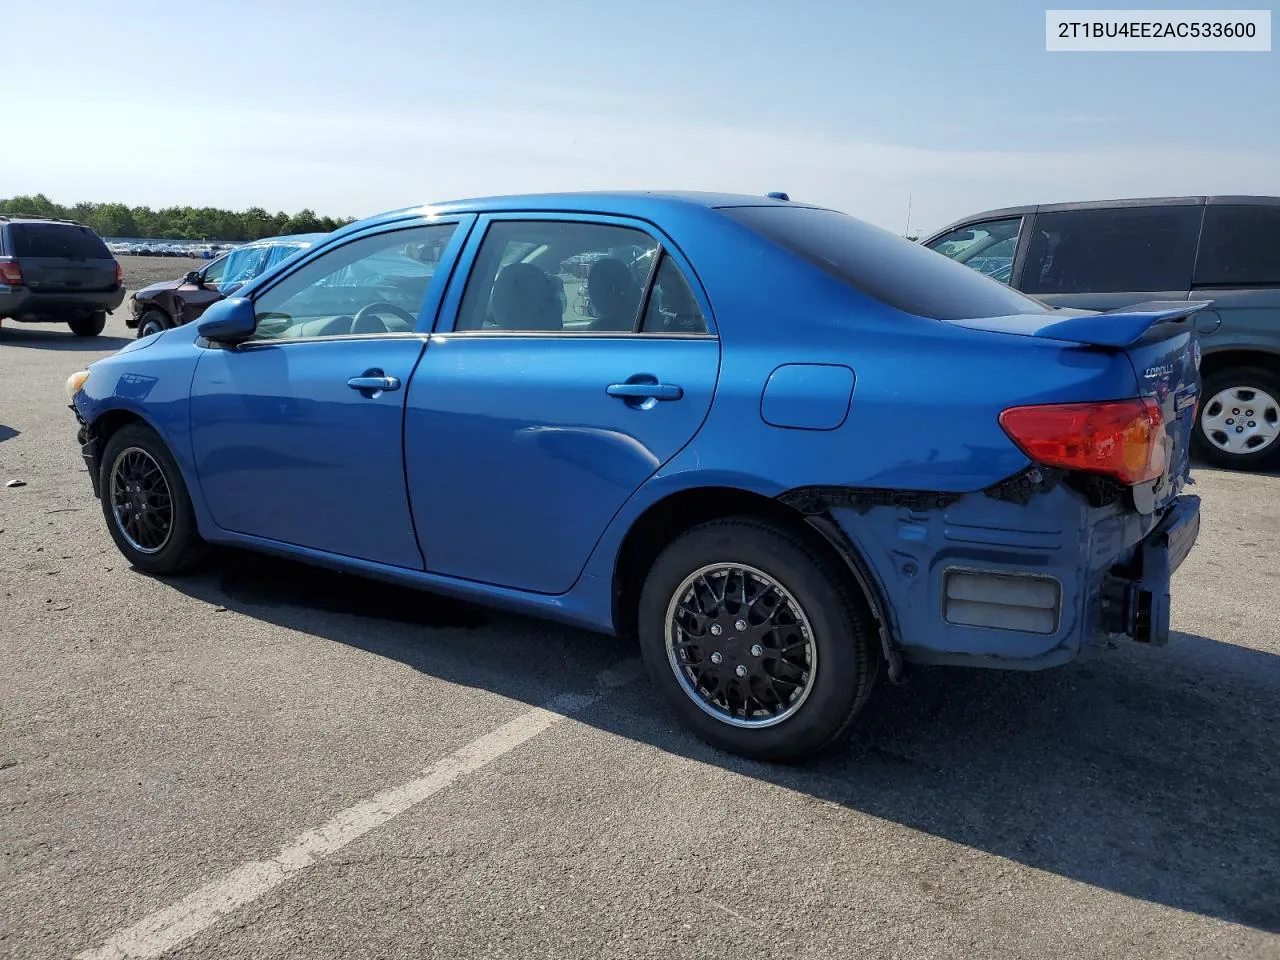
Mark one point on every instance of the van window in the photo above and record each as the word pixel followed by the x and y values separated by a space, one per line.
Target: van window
pixel 987 247
pixel 1240 246
pixel 1116 250
pixel 884 266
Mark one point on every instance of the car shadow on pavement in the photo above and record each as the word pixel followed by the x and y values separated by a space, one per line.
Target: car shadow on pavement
pixel 7 433
pixel 55 339
pixel 1154 773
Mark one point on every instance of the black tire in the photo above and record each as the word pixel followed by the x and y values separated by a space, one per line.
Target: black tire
pixel 153 318
pixel 89 326
pixel 182 547
pixel 843 635
pixel 1255 379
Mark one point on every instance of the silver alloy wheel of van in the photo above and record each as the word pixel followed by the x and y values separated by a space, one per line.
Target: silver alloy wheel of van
pixel 1241 420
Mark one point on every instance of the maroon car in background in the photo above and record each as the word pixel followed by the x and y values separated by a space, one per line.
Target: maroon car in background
pixel 175 302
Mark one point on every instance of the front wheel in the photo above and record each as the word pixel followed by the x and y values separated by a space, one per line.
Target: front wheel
pixel 1238 421
pixel 153 321
pixel 145 502
pixel 89 326
pixel 760 643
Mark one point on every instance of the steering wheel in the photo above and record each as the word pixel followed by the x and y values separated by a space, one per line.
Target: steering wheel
pixel 367 321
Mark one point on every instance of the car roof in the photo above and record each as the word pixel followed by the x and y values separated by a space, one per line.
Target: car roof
pixel 1024 210
pixel 638 203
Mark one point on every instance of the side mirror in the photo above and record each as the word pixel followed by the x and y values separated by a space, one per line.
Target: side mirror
pixel 229 321
pixel 193 276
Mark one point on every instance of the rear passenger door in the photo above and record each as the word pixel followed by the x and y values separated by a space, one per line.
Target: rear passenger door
pixel 573 356
pixel 1104 258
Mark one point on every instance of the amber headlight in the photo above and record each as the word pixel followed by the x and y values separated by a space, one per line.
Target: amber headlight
pixel 75 382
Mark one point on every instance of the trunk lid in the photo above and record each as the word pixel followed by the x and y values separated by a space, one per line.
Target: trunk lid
pixel 1159 341
pixel 63 257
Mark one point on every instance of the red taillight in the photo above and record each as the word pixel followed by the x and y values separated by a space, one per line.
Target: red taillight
pixel 119 274
pixel 10 272
pixel 1124 439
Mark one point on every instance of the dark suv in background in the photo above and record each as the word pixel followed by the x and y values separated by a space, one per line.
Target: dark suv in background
pixel 57 271
pixel 1113 253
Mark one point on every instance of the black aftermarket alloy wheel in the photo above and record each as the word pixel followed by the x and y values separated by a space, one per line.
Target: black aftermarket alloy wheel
pixel 757 639
pixel 145 502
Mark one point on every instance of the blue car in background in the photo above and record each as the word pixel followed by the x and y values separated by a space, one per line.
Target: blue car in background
pixel 785 450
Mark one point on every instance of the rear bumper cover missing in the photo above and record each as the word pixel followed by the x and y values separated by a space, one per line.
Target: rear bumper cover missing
pixel 996 580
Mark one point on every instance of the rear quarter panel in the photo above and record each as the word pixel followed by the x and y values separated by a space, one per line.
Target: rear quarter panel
pixel 1243 320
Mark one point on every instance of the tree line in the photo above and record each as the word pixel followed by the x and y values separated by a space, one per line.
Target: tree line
pixel 175 223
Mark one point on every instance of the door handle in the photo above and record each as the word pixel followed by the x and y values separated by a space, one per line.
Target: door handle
pixel 645 391
pixel 374 384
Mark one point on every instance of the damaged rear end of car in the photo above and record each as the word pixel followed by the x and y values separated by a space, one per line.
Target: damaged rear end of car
pixel 1073 552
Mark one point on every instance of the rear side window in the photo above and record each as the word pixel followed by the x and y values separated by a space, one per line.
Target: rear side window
pixel 1117 250
pixel 1240 246
pixel 56 240
pixel 884 266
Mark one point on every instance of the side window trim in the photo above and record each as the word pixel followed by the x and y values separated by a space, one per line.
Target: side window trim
pixel 447 311
pixel 441 280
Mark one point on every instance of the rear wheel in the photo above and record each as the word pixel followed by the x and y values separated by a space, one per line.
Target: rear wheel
pixel 1238 422
pixel 759 643
pixel 89 326
pixel 153 321
pixel 145 502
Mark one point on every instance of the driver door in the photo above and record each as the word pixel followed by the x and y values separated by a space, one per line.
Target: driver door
pixel 298 432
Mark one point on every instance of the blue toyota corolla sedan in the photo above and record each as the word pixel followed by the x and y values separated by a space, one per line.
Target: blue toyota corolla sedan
pixel 782 448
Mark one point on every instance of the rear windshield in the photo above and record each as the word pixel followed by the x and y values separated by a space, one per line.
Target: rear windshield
pixel 884 266
pixel 57 240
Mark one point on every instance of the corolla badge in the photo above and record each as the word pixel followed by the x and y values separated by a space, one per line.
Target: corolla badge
pixel 1164 370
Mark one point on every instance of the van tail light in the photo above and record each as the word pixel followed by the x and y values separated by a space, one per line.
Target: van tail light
pixel 119 274
pixel 10 272
pixel 1122 439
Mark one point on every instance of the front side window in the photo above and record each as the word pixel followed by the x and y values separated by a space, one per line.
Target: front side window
pixel 882 265
pixel 1116 250
pixel 216 270
pixel 372 285
pixel 551 275
pixel 1240 246
pixel 986 247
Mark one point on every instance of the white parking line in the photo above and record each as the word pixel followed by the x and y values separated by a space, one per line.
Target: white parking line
pixel 165 929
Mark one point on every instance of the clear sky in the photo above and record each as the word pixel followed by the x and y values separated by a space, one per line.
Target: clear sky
pixel 350 107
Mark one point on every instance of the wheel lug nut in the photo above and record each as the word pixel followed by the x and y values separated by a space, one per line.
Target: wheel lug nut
pixel 740 625
pixel 1252 424
pixel 1239 429
pixel 1248 413
pixel 1236 411
pixel 756 650
pixel 740 670
pixel 715 630
pixel 1230 421
pixel 716 657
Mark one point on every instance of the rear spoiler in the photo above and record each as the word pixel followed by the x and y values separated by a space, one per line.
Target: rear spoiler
pixel 1117 329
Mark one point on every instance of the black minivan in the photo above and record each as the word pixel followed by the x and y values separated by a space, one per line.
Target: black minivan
pixel 1113 253
pixel 57 271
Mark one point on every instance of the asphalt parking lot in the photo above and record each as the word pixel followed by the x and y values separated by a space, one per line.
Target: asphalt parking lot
pixel 264 760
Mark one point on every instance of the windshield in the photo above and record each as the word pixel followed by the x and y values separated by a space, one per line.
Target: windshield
pixel 884 266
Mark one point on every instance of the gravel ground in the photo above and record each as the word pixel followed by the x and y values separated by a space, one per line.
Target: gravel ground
pixel 142 271
pixel 156 736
